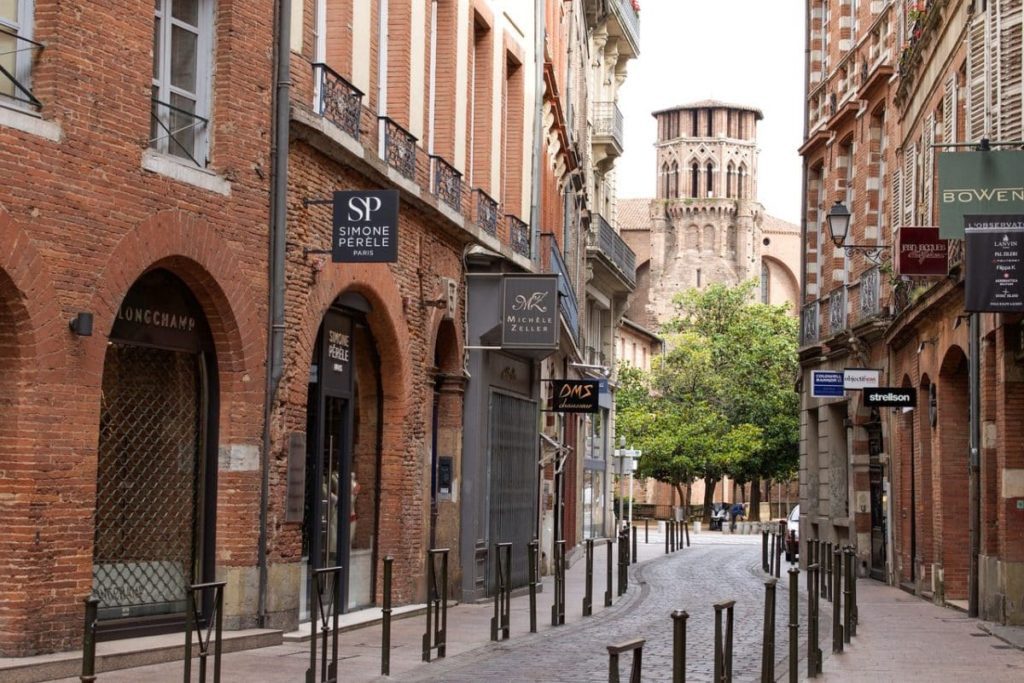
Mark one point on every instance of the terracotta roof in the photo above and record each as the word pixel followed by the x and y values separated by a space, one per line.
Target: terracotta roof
pixel 777 225
pixel 711 104
pixel 634 214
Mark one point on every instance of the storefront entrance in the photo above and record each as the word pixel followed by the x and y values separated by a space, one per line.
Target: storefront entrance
pixel 343 456
pixel 156 476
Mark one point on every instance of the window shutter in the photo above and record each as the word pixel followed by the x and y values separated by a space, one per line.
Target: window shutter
pixel 894 198
pixel 949 111
pixel 1008 105
pixel 976 78
pixel 928 155
pixel 909 183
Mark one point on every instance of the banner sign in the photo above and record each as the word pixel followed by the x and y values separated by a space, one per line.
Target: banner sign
pixel 365 227
pixel 994 273
pixel 860 378
pixel 826 384
pixel 976 183
pixel 575 395
pixel 529 311
pixel 336 354
pixel 920 251
pixel 891 397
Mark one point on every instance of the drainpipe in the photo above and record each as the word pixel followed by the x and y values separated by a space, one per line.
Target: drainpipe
pixel 278 215
pixel 538 128
pixel 803 220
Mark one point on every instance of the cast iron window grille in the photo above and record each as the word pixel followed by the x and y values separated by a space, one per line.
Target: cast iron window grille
pixel 567 303
pixel 180 138
pixel 446 183
pixel 870 284
pixel 486 212
pixel 338 101
pixel 519 236
pixel 837 310
pixel 399 147
pixel 20 87
pixel 809 325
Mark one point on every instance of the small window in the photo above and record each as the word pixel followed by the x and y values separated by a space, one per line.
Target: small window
pixel 709 120
pixel 695 131
pixel 674 189
pixel 182 39
pixel 710 180
pixel 694 180
pixel 17 51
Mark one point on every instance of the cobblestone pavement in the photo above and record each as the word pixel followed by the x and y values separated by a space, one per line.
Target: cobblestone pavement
pixel 728 568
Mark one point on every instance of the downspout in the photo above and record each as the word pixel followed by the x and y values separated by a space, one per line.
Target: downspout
pixel 803 226
pixel 538 128
pixel 278 215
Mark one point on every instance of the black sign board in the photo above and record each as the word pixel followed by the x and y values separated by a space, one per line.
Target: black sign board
pixel 160 311
pixel 365 227
pixel 995 272
pixel 891 397
pixel 336 354
pixel 529 312
pixel 576 395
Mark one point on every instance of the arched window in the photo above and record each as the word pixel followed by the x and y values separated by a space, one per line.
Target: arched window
pixel 694 180
pixel 665 181
pixel 729 180
pixel 675 181
pixel 694 131
pixel 741 179
pixel 709 180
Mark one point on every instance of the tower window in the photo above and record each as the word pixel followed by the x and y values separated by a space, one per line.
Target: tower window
pixel 710 180
pixel 694 180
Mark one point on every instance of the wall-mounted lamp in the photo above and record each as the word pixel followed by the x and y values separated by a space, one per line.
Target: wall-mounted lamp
pixel 838 220
pixel 924 342
pixel 81 324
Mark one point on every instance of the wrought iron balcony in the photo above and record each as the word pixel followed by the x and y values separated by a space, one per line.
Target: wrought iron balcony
pixel 615 249
pixel 486 212
pixel 608 123
pixel 338 101
pixel 398 147
pixel 870 288
pixel 567 304
pixel 518 236
pixel 630 21
pixel 837 310
pixel 809 322
pixel 446 183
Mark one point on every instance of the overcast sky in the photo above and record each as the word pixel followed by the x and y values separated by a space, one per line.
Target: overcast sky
pixel 748 52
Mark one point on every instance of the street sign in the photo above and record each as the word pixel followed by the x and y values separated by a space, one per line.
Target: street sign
pixel 575 396
pixel 826 384
pixel 921 252
pixel 891 397
pixel 860 378
pixel 995 267
pixel 978 183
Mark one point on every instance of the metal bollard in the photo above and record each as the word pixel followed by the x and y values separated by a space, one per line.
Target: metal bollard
pixel 608 572
pixel 558 608
pixel 647 538
pixel 686 530
pixel 436 635
pixel 193 611
pixel 89 641
pixel 634 545
pixel 768 633
pixel 847 590
pixel 502 591
pixel 837 600
pixel 532 552
pixel 764 551
pixel 666 537
pixel 623 561
pixel 671 529
pixel 813 605
pixel 723 648
pixel 634 646
pixel 794 624
pixel 831 570
pixel 771 556
pixel 588 590
pixel 778 555
pixel 385 638
pixel 853 597
pixel 679 618
pixel 679 535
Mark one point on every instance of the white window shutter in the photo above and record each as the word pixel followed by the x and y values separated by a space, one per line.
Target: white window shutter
pixel 909 184
pixel 949 111
pixel 976 78
pixel 928 154
pixel 1008 104
pixel 895 198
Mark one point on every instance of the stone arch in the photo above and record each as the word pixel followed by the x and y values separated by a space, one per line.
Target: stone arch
pixel 709 238
pixel 952 430
pixel 786 275
pixel 189 248
pixel 691 237
pixel 906 523
pixel 923 483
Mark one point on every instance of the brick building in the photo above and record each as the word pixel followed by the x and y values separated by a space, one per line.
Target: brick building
pixel 926 494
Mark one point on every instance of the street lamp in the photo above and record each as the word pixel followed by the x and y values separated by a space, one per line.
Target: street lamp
pixel 838 220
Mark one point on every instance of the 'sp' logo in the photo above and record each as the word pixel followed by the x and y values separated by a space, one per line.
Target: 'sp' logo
pixel 361 209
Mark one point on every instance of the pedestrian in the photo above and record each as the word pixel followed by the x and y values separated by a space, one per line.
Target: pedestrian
pixel 735 511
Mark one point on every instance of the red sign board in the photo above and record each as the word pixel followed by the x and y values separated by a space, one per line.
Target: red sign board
pixel 920 251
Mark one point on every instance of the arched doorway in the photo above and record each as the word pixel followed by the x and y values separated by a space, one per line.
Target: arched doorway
pixel 157 458
pixel 343 448
pixel 952 428
pixel 924 521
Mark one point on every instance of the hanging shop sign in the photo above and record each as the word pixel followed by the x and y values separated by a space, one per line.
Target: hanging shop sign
pixel 575 395
pixel 994 279
pixel 891 397
pixel 827 384
pixel 921 252
pixel 860 378
pixel 977 183
pixel 336 354
pixel 365 227
pixel 529 311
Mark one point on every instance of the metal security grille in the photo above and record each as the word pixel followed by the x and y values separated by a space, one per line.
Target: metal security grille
pixel 513 480
pixel 147 479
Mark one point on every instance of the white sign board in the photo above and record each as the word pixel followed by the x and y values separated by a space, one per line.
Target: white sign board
pixel 861 378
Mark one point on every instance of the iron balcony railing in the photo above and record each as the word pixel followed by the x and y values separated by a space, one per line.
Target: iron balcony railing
pixel 446 183
pixel 486 212
pixel 611 244
pixel 608 121
pixel 809 322
pixel 398 147
pixel 630 20
pixel 870 288
pixel 955 258
pixel 338 101
pixel 567 303
pixel 837 310
pixel 518 236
